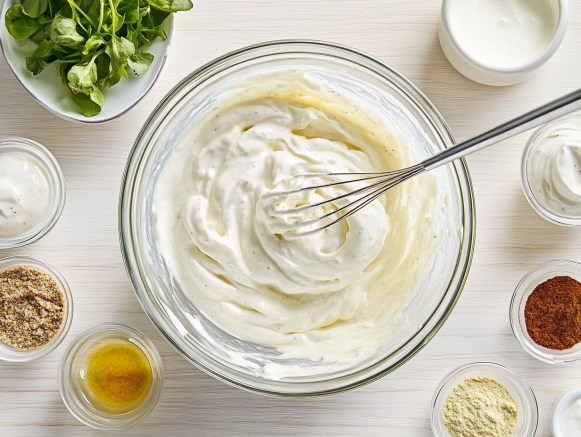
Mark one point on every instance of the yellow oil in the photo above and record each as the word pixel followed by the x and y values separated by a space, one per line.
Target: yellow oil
pixel 118 375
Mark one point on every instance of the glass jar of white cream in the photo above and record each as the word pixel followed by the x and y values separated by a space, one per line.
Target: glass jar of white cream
pixel 551 170
pixel 32 191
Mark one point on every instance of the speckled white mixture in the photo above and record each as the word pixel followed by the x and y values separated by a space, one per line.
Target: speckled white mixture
pixel 24 194
pixel 334 297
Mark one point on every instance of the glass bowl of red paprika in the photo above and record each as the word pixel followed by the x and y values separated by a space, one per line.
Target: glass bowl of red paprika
pixel 545 312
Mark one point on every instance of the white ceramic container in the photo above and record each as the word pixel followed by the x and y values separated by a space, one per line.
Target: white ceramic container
pixel 559 411
pixel 472 68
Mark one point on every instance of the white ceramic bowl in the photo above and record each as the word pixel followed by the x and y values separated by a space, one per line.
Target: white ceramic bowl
pixel 480 72
pixel 565 402
pixel 48 90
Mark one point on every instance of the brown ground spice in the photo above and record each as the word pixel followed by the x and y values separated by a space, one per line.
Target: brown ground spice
pixel 31 307
pixel 553 313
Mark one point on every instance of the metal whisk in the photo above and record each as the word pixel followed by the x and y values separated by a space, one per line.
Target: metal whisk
pixel 380 183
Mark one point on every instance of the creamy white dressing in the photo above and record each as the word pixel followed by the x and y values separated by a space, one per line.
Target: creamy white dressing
pixel 504 33
pixel 554 167
pixel 333 298
pixel 24 194
pixel 572 420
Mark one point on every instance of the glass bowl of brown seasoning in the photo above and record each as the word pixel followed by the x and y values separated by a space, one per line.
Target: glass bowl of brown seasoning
pixel 545 312
pixel 36 309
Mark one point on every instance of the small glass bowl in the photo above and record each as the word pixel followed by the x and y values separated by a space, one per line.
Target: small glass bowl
pixel 528 413
pixel 544 212
pixel 521 294
pixel 56 180
pixel 9 353
pixel 72 391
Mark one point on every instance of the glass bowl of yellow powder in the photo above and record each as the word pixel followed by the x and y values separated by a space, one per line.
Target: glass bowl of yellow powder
pixel 484 398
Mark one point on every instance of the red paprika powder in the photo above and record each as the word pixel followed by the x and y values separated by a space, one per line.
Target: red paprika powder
pixel 553 313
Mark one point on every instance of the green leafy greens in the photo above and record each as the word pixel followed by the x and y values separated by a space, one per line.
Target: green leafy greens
pixel 92 42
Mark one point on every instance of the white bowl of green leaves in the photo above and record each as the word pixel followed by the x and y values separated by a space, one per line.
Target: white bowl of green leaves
pixel 88 60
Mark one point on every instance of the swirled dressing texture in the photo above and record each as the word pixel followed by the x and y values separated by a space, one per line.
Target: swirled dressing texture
pixel 24 194
pixel 554 168
pixel 335 297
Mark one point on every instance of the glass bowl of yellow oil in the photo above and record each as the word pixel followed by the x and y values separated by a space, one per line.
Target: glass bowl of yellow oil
pixel 110 376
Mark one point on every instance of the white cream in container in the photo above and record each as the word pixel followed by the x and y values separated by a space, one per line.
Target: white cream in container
pixel 24 193
pixel 32 192
pixel 551 170
pixel 501 42
pixel 572 419
pixel 567 415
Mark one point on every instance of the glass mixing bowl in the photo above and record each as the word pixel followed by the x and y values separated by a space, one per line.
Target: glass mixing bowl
pixel 231 359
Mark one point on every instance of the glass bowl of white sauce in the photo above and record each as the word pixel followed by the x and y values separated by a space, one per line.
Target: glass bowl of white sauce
pixel 259 311
pixel 32 191
pixel 551 170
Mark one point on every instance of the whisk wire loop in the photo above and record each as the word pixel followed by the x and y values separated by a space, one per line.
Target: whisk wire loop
pixel 388 181
pixel 370 176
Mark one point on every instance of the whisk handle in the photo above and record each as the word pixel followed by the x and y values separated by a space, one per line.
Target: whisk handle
pixel 544 114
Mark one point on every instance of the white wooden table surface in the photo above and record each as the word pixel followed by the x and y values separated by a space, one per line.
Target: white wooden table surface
pixel 511 237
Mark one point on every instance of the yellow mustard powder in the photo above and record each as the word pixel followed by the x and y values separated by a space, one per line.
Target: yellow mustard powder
pixel 480 407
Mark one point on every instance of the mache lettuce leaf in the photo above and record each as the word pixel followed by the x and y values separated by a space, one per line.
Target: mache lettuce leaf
pixel 20 25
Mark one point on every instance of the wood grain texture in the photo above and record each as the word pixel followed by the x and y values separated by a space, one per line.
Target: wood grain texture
pixel 511 237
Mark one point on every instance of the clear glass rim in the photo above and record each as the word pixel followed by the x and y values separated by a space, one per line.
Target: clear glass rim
pixel 524 178
pixel 128 238
pixel 519 331
pixel 66 392
pixel 25 355
pixel 56 179
pixel 513 376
